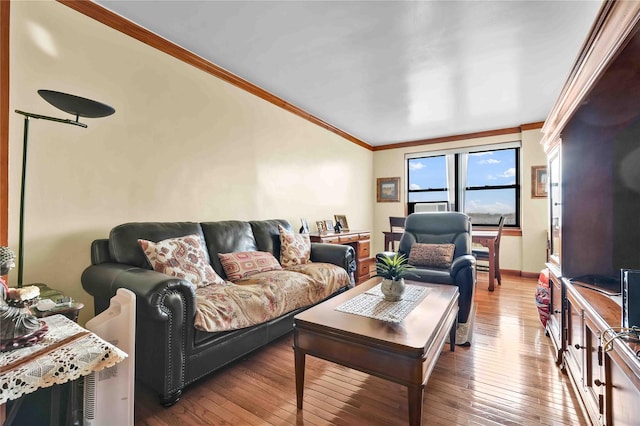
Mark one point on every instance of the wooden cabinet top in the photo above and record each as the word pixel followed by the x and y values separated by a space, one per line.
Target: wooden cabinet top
pixel 342 237
pixel 606 313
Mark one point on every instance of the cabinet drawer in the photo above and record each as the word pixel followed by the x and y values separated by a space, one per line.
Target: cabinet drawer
pixel 364 235
pixel 348 238
pixel 363 269
pixel 363 250
pixel 331 240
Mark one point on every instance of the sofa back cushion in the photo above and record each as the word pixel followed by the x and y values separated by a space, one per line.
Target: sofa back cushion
pixel 227 236
pixel 123 239
pixel 267 234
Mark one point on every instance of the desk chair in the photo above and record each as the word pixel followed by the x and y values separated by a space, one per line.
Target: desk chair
pixel 483 253
pixel 396 225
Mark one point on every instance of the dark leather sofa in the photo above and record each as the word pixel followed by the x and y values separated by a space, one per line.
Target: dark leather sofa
pixel 444 228
pixel 170 352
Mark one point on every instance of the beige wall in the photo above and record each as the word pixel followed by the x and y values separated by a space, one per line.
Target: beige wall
pixel 526 253
pixel 183 145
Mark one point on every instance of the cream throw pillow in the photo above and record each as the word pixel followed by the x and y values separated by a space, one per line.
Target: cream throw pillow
pixel 295 249
pixel 182 257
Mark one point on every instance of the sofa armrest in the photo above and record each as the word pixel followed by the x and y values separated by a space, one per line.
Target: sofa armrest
pixel 150 287
pixel 165 312
pixel 462 262
pixel 341 255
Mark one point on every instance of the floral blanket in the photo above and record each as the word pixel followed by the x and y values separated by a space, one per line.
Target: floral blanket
pixel 265 295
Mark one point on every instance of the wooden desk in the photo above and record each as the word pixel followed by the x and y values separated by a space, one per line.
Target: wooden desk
pixel 389 238
pixel 488 239
pixel 359 240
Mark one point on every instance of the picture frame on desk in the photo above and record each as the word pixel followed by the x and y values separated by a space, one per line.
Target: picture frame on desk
pixel 388 190
pixel 342 220
pixel 328 225
pixel 539 179
pixel 320 226
pixel 304 229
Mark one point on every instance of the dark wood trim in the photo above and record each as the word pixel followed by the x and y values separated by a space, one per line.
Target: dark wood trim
pixel 452 138
pixel 532 126
pixel 118 23
pixel 4 121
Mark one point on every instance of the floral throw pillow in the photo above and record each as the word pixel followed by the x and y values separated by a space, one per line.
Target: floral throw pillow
pixel 295 249
pixel 243 264
pixel 431 255
pixel 182 257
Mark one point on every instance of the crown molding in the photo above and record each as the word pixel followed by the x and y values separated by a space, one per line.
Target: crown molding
pixel 123 25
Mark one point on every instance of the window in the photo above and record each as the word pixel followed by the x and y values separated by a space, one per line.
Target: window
pixel 482 182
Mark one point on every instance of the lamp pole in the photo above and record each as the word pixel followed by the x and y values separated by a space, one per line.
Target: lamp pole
pixel 75 105
pixel 25 141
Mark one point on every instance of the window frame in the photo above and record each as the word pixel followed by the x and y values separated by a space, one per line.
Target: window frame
pixel 457 182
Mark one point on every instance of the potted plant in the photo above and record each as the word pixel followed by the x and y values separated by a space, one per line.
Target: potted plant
pixel 393 269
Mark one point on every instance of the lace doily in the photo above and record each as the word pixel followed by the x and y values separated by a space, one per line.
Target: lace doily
pixel 372 304
pixel 66 353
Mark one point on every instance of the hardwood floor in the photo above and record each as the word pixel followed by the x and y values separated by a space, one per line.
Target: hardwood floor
pixel 506 377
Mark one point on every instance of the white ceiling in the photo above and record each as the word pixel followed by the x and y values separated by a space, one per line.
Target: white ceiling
pixel 387 71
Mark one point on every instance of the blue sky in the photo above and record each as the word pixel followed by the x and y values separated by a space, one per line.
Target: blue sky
pixel 484 168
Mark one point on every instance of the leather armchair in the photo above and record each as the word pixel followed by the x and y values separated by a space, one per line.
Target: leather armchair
pixel 444 228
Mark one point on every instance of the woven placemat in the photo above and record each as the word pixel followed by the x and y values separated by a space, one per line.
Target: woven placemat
pixel 371 304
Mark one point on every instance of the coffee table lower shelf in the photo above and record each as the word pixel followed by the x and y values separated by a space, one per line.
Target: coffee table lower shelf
pixel 404 353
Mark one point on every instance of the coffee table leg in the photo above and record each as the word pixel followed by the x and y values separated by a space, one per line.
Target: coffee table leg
pixel 452 335
pixel 299 357
pixel 415 405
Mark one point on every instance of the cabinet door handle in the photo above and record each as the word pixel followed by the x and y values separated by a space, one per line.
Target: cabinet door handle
pixel 557 311
pixel 597 382
pixel 577 346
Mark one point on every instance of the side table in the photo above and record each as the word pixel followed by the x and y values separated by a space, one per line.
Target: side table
pixel 66 353
pixel 70 311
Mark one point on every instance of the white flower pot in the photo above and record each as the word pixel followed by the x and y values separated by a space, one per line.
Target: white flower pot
pixel 392 289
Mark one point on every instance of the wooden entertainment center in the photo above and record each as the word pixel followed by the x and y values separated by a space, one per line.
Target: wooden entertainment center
pixel 592 140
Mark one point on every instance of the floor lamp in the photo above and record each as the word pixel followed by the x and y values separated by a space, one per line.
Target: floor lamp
pixel 75 105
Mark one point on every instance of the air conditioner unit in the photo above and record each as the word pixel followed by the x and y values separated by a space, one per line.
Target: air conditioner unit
pixel 109 394
pixel 431 207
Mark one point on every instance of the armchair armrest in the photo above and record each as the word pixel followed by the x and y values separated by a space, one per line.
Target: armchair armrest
pixel 384 254
pixel 462 262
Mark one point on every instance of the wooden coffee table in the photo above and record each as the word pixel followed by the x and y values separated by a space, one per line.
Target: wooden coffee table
pixel 404 353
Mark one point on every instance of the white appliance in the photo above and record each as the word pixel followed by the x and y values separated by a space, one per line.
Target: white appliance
pixel 109 394
pixel 431 207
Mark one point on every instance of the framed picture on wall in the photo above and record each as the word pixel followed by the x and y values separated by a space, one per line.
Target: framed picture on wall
pixel 539 181
pixel 388 190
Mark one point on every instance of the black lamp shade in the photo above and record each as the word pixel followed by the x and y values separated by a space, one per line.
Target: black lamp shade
pixel 76 105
